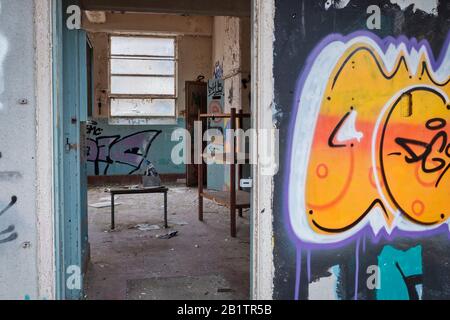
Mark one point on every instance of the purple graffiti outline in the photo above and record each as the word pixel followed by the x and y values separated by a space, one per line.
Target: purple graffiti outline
pixel 367 230
pixel 410 44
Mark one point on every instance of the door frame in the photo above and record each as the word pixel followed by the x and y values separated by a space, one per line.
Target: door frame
pixel 261 241
pixel 69 99
pixel 262 84
pixel 44 150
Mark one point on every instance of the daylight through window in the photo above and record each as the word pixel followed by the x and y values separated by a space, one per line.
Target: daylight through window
pixel 142 76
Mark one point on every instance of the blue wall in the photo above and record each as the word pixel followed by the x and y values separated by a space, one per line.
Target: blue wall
pixel 124 149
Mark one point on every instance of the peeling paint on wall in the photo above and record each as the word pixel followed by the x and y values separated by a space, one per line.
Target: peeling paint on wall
pixel 326 288
pixel 336 4
pixel 428 6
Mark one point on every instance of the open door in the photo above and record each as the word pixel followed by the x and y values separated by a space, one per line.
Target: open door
pixel 70 106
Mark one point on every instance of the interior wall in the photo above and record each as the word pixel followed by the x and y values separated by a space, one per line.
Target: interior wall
pixel 194 48
pixel 231 57
pixel 231 51
pixel 194 44
pixel 156 23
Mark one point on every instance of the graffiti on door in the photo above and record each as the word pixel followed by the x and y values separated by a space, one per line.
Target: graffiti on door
pixel 129 151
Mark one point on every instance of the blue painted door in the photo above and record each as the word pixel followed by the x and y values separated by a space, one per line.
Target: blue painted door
pixel 70 79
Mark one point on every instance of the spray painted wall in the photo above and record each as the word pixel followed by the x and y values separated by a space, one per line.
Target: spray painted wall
pixel 18 278
pixel 362 103
pixel 231 62
pixel 125 150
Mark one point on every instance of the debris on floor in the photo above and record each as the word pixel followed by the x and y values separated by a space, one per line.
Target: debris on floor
pixel 105 199
pixel 103 204
pixel 124 260
pixel 204 287
pixel 178 223
pixel 179 190
pixel 151 177
pixel 146 227
pixel 169 235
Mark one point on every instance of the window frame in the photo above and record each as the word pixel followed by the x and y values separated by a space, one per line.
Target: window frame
pixel 144 96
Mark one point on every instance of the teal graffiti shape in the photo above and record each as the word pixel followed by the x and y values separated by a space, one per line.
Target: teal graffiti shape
pixel 400 274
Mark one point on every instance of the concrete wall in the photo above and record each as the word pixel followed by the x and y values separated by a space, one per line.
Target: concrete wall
pixel 194 44
pixel 231 56
pixel 231 51
pixel 18 234
pixel 361 101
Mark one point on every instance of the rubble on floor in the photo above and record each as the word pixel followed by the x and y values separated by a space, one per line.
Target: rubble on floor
pixel 131 255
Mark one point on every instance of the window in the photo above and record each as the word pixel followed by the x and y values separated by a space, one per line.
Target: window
pixel 142 77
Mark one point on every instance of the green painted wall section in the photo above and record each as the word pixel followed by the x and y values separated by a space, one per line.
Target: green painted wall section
pixel 125 149
pixel 399 274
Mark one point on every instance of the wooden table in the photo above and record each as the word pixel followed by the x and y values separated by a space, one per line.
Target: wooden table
pixel 161 189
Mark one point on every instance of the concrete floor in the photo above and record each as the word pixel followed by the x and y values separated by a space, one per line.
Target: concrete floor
pixel 133 264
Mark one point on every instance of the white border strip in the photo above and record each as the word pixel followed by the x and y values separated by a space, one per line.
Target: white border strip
pixel 262 101
pixel 44 147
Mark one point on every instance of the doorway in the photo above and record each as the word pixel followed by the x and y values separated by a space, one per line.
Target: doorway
pixel 140 259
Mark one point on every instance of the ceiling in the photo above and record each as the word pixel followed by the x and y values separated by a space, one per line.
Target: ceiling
pixel 239 8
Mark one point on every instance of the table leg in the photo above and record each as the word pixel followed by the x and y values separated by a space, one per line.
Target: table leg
pixel 112 212
pixel 165 210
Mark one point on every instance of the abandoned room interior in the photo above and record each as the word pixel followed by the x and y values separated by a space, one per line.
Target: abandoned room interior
pixel 103 104
pixel 151 231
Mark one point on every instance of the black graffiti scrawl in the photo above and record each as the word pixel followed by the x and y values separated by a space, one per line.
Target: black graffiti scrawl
pixel 8 234
pixel 130 150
